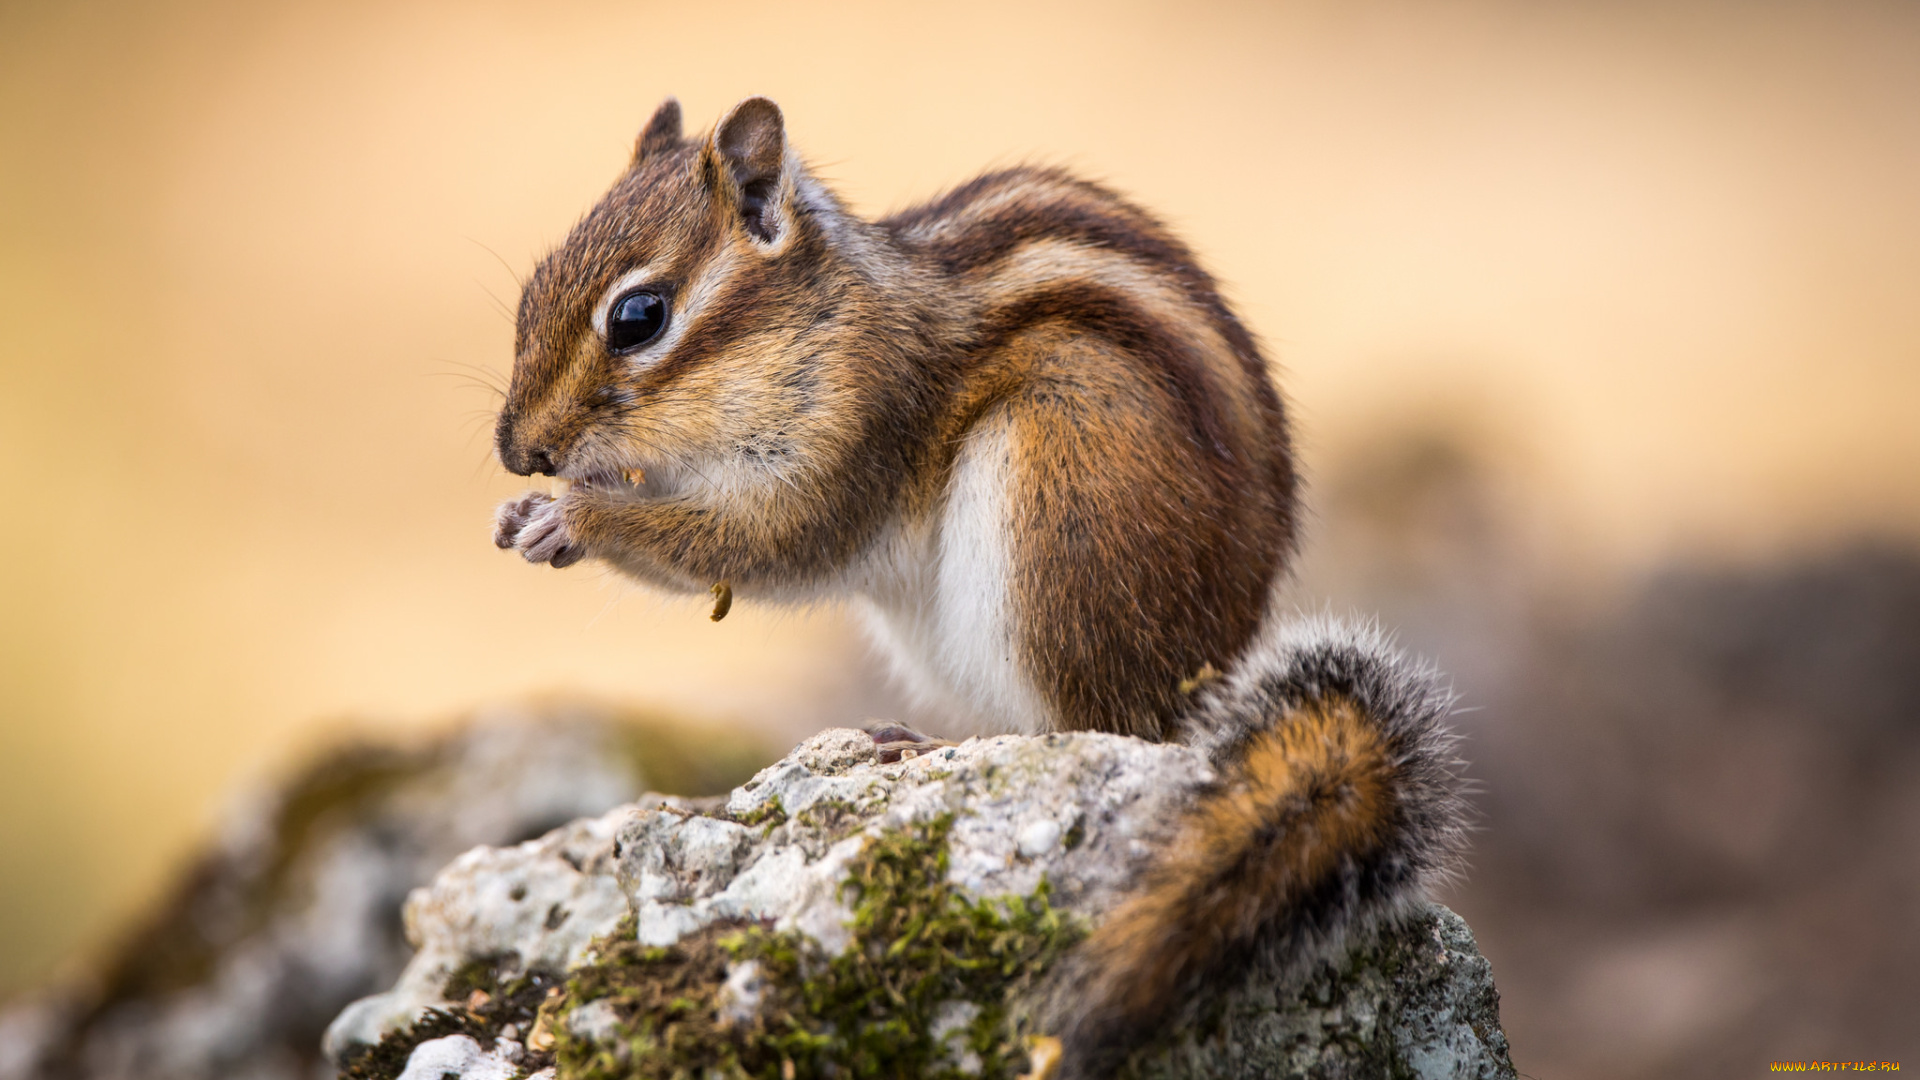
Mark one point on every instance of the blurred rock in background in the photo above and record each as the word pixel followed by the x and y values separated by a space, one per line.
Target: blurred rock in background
pixel 1700 849
pixel 295 909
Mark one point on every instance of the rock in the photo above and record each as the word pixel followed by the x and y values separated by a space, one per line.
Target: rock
pixel 535 906
pixel 291 913
pixel 895 918
pixel 460 1055
pixel 1417 1002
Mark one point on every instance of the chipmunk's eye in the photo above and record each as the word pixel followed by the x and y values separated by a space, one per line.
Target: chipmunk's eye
pixel 635 319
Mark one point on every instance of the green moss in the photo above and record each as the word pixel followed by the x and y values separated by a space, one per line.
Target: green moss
pixel 869 1012
pixel 666 1004
pixel 831 819
pixel 772 814
pixel 487 997
pixel 388 1059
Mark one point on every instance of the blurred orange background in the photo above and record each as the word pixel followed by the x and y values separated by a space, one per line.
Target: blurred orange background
pixel 1661 260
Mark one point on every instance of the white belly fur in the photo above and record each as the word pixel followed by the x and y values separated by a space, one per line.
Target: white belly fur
pixel 942 611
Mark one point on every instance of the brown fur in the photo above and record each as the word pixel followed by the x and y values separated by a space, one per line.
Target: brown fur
pixel 1338 805
pixel 829 370
pixel 827 397
pixel 1315 790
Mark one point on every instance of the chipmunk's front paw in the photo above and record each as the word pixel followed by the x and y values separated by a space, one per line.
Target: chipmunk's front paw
pixel 536 526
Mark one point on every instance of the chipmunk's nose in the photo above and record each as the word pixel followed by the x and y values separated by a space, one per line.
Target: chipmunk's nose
pixel 519 458
pixel 526 462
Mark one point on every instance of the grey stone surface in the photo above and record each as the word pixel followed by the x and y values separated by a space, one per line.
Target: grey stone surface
pixel 1418 1002
pixel 1013 799
pixel 462 1056
pixel 1081 812
pixel 542 903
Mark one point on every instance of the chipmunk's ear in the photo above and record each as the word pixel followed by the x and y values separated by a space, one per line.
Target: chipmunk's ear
pixel 661 133
pixel 751 144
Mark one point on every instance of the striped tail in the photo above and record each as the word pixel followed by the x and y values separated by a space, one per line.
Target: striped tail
pixel 1338 805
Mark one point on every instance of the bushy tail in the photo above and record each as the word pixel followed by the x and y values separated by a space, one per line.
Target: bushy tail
pixel 1338 805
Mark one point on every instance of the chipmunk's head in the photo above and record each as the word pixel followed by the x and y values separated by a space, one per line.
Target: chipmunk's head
pixel 659 337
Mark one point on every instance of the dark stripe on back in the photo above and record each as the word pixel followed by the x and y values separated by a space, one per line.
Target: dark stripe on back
pixel 1169 362
pixel 974 190
pixel 1063 207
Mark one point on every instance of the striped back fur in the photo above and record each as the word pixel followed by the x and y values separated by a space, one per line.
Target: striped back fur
pixel 1017 423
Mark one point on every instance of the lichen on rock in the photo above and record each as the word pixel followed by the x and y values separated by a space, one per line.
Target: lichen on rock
pixel 837 916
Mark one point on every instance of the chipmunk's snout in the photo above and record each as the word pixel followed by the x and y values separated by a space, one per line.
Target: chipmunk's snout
pixel 527 462
pixel 522 457
pixel 537 461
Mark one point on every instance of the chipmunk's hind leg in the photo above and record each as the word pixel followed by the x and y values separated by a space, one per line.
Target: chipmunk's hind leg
pixel 1128 573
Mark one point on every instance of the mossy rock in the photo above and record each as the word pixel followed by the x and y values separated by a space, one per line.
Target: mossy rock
pixel 839 917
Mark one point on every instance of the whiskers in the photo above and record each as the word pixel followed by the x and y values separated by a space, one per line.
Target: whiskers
pixel 499 305
pixel 678 458
pixel 477 421
pixel 506 310
pixel 477 376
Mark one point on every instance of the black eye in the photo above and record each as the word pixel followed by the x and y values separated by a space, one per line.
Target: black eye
pixel 635 319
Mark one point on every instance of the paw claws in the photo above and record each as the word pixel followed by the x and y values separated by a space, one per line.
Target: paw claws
pixel 535 526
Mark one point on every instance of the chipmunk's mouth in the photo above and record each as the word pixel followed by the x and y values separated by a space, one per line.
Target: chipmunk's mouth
pixel 636 482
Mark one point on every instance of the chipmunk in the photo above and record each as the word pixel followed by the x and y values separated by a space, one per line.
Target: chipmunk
pixel 1019 428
